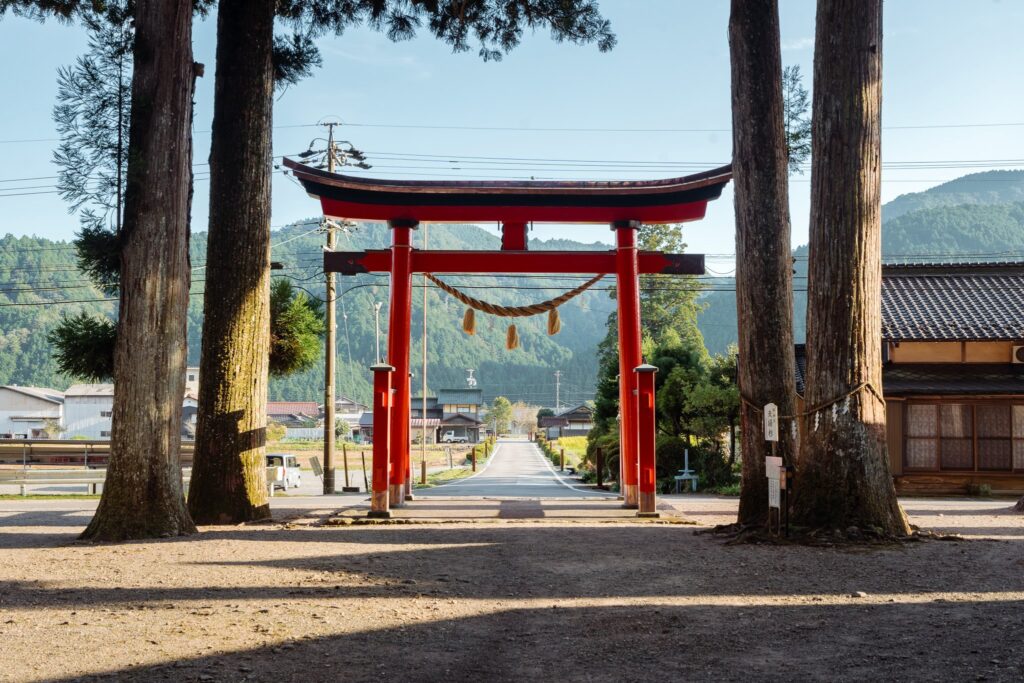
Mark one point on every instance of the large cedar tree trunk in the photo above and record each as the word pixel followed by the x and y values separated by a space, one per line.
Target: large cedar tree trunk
pixel 142 496
pixel 229 475
pixel 764 279
pixel 843 477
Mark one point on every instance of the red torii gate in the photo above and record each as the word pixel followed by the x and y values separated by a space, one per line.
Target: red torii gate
pixel 624 205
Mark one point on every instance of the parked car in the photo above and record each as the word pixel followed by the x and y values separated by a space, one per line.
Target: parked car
pixel 450 437
pixel 292 473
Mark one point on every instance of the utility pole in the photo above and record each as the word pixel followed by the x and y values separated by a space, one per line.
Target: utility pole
pixel 558 388
pixel 345 155
pixel 330 342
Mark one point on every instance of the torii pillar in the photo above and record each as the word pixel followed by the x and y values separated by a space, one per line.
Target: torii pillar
pixel 399 336
pixel 627 275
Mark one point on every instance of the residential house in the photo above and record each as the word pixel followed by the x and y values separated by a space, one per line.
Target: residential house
pixel 365 427
pixel 350 411
pixel 294 413
pixel 192 380
pixel 301 419
pixel 461 413
pixel 575 421
pixel 29 412
pixel 953 376
pixel 434 413
pixel 189 414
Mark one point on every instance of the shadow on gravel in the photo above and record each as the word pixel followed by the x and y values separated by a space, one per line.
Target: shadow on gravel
pixel 559 562
pixel 934 641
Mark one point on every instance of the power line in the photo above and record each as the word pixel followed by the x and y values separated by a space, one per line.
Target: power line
pixel 526 129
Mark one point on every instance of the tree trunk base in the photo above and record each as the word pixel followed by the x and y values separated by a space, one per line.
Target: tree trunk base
pixel 247 515
pixel 748 534
pixel 111 528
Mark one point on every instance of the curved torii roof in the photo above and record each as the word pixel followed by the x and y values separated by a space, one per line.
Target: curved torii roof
pixel 673 200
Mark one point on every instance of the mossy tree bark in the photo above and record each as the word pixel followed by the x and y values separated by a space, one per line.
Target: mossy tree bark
pixel 229 472
pixel 843 476
pixel 764 276
pixel 142 496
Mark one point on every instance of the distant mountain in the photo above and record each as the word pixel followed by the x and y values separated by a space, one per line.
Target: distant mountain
pixel 41 274
pixel 978 217
pixel 990 187
pixel 965 230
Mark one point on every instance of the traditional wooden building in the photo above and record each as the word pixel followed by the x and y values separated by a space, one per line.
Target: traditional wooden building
pixel 575 421
pixel 953 376
pixel 455 411
pixel 294 413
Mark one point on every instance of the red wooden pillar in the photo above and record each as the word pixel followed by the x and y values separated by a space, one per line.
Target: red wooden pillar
pixel 381 439
pixel 628 296
pixel 399 332
pixel 646 426
pixel 408 435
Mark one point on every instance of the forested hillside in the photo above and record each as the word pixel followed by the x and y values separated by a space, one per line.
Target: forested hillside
pixel 41 282
pixel 979 216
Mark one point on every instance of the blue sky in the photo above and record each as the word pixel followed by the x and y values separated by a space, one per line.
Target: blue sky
pixel 946 62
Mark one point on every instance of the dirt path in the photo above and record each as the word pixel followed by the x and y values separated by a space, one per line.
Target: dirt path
pixel 536 599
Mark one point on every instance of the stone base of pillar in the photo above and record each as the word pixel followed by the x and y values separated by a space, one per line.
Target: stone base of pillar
pixel 409 497
pixel 396 495
pixel 379 514
pixel 379 504
pixel 630 496
pixel 648 505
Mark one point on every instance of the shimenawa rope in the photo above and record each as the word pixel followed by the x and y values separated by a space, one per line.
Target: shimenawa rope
pixel 512 339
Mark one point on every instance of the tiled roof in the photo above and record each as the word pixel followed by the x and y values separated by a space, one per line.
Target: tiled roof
pixel 457 419
pixel 583 409
pixel 953 302
pixel 366 419
pixel 417 402
pixel 800 351
pixel 954 378
pixel 293 408
pixel 466 397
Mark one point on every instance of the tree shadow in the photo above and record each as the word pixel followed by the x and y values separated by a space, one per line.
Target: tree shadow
pixel 643 642
pixel 460 562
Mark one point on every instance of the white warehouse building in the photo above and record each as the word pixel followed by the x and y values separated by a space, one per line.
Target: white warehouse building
pixel 87 411
pixel 29 412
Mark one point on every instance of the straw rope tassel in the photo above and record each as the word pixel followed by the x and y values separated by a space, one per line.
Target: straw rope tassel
pixel 512 338
pixel 469 322
pixel 554 322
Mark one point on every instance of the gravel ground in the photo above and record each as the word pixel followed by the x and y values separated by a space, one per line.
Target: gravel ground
pixel 542 596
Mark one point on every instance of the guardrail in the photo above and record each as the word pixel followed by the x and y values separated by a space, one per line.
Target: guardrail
pixel 24 478
pixel 91 453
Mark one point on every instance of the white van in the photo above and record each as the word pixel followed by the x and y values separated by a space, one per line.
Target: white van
pixel 292 473
pixel 449 437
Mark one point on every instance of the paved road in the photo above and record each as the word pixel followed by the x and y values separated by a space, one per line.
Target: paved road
pixel 516 470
